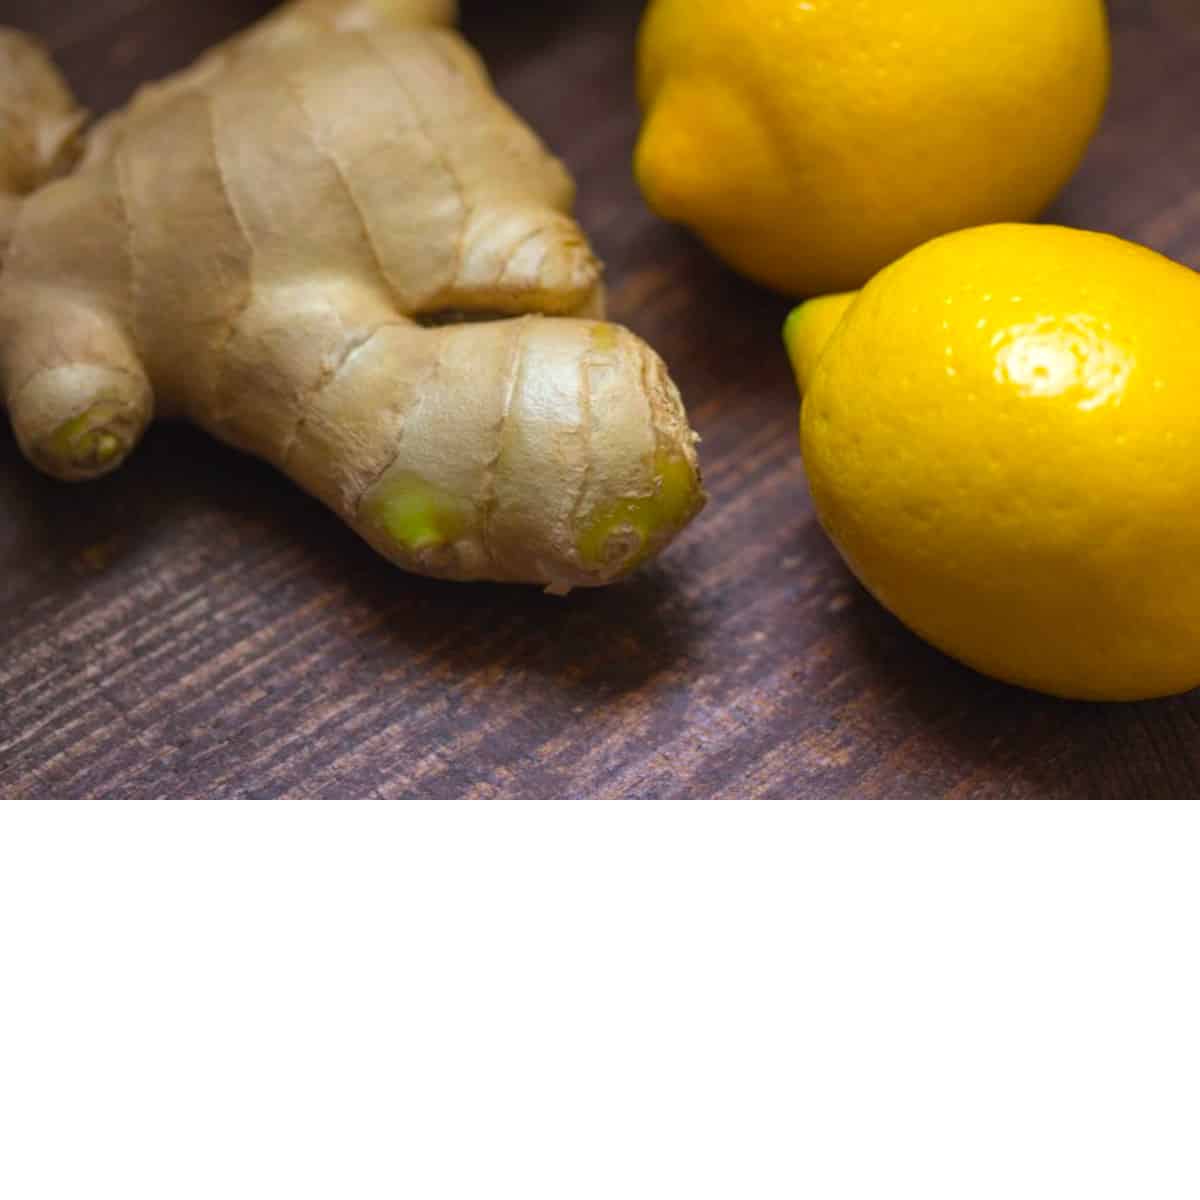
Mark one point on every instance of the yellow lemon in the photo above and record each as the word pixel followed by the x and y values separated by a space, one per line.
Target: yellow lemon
pixel 812 142
pixel 1002 437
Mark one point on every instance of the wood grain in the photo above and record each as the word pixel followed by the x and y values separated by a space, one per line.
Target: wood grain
pixel 196 626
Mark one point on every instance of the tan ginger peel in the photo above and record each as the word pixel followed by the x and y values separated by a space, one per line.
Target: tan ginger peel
pixel 271 245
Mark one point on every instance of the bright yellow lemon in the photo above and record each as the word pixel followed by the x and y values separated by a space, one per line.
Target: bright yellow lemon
pixel 1002 437
pixel 812 142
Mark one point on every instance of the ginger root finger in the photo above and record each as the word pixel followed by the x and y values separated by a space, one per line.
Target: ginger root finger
pixel 533 450
pixel 78 397
pixel 40 124
pixel 586 467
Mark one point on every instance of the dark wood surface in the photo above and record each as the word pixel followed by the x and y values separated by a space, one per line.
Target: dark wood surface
pixel 196 626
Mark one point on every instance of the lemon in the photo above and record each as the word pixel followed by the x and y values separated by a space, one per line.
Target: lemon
pixel 812 142
pixel 1002 437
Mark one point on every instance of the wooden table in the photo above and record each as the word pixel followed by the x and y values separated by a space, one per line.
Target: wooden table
pixel 196 626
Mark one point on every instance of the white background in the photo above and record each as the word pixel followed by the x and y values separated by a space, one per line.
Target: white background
pixel 599 1002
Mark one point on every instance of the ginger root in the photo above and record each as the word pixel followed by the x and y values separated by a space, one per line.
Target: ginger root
pixel 39 125
pixel 329 244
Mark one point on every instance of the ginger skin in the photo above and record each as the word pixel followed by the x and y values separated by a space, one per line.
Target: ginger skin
pixel 39 125
pixel 270 244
